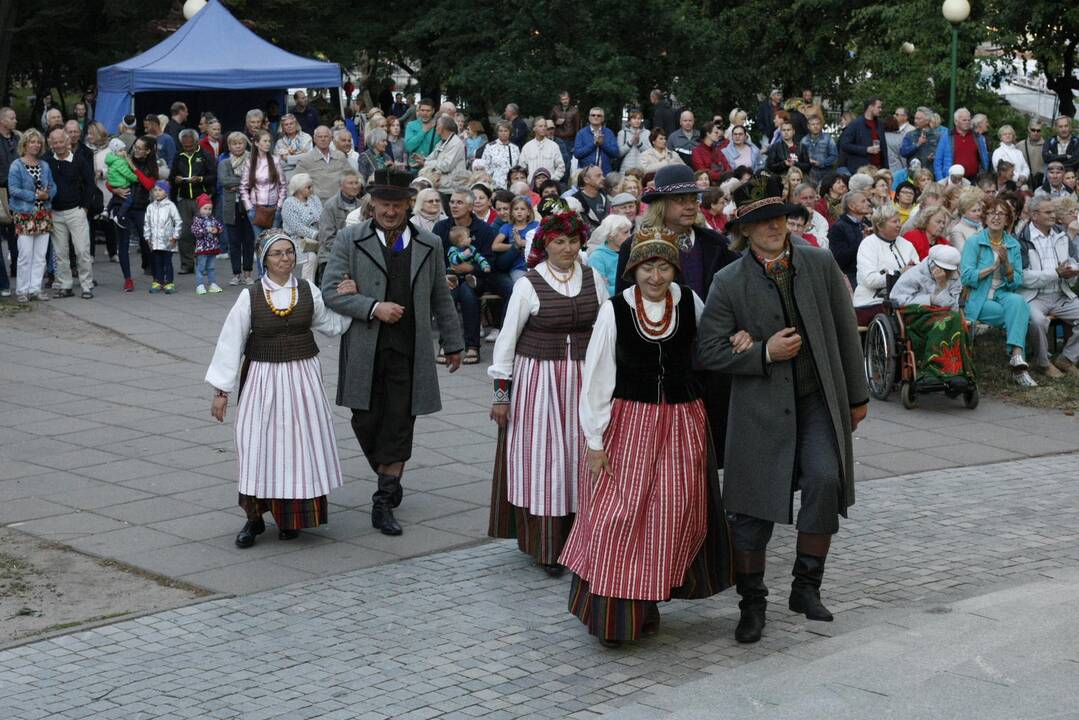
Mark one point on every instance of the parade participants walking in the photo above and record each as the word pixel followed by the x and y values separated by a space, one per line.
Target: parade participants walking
pixel 537 384
pixel 650 519
pixel 285 442
pixel 387 368
pixel 798 393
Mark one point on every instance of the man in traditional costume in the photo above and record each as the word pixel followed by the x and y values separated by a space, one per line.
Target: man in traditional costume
pixel 387 367
pixel 797 394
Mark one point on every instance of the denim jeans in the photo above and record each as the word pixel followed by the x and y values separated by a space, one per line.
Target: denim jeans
pixel 469 300
pixel 205 269
pixel 133 223
pixel 162 266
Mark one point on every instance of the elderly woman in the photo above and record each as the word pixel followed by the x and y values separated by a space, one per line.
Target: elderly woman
pixel 658 155
pixel 969 208
pixel 603 247
pixel 537 382
pixel 238 232
pixel 928 298
pixel 930 230
pixel 500 155
pixel 1010 152
pixel 285 441
pixel 31 189
pixel 97 139
pixel 650 521
pixel 880 255
pixel 992 267
pixel 428 209
pixel 299 218
pixel 262 184
pixel 376 156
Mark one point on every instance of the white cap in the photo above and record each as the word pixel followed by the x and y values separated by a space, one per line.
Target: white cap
pixel 957 170
pixel 944 256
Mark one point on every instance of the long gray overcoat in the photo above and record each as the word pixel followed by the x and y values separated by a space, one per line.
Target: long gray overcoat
pixel 762 423
pixel 357 251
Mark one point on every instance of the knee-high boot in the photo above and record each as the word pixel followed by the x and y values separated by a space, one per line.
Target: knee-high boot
pixel 808 573
pixel 749 580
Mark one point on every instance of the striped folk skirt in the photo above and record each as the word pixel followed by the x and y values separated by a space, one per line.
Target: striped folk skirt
pixel 653 526
pixel 285 440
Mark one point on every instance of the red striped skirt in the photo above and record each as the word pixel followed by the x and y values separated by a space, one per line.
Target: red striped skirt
pixel 641 523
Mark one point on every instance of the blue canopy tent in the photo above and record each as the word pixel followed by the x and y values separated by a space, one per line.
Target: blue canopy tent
pixel 213 52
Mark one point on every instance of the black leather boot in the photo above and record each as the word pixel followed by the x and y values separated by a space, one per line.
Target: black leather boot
pixel 246 537
pixel 805 590
pixel 753 605
pixel 382 519
pixel 389 490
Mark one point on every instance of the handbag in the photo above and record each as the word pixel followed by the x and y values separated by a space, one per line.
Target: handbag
pixel 309 245
pixel 264 216
pixel 5 210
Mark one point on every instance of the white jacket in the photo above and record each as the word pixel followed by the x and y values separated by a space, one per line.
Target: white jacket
pixel 1040 269
pixel 876 260
pixel 448 158
pixel 538 154
pixel 162 226
pixel 1015 156
pixel 499 158
pixel 917 286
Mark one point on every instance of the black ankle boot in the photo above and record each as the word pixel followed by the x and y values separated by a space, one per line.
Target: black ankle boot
pixel 753 605
pixel 246 537
pixel 805 590
pixel 389 490
pixel 382 519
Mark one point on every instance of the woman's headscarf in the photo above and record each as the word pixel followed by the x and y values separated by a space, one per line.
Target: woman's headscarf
pixel 569 224
pixel 269 237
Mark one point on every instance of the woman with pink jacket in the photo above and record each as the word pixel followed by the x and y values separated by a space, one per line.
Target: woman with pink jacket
pixel 262 183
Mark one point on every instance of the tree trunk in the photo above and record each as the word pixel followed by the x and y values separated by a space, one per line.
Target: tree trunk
pixel 7 23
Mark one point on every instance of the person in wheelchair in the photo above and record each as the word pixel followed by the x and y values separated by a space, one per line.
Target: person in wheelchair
pixel 927 297
pixel 881 255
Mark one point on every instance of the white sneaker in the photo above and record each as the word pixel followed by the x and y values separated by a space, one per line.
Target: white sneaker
pixel 200 290
pixel 492 336
pixel 214 288
pixel 1023 379
pixel 223 256
pixel 235 280
pixel 1018 363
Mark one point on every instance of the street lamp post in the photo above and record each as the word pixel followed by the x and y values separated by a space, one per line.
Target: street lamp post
pixel 955 12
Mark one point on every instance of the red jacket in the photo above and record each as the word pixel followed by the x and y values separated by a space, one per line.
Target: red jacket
pixel 710 159
pixel 205 145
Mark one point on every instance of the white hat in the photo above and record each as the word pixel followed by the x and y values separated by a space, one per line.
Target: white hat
pixel 944 256
pixel 957 170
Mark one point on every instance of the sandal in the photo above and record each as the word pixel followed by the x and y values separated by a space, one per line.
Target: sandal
pixel 472 356
pixel 440 359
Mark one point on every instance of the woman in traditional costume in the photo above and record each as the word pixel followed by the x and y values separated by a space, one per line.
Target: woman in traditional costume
pixel 284 426
pixel 650 524
pixel 537 385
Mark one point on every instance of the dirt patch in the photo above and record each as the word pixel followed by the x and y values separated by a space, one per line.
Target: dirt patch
pixel 46 587
pixel 995 379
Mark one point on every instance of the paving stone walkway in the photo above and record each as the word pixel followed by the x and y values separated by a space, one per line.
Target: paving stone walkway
pixel 108 446
pixel 478 632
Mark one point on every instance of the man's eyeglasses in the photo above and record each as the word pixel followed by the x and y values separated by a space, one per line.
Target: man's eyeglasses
pixel 1037 130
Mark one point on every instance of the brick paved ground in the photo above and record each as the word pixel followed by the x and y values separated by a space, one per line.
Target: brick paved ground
pixel 477 632
pixel 108 446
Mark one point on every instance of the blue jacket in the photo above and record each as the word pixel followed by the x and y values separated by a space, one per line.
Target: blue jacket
pixel 978 255
pixel 926 152
pixel 823 150
pixel 855 139
pixel 588 153
pixel 21 189
pixel 943 160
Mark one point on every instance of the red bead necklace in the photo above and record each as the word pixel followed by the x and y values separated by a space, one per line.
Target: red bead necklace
pixel 653 329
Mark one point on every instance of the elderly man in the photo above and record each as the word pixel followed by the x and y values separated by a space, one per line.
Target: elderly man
pixel 920 142
pixel 542 152
pixel 293 144
pixel 212 142
pixel 9 150
pixel 592 197
pixel 1054 186
pixel 673 204
pixel 1049 268
pixel 325 164
pixel 862 141
pixel 342 140
pixel 1065 146
pixel 253 123
pixel 845 235
pixel 388 374
pixel 306 114
pixel 1032 148
pixel 595 143
pixel 75 194
pixel 461 206
pixel 519 134
pixel 806 195
pixel 686 138
pixel 420 134
pixel 193 174
pixel 74 137
pixel 448 157
pixel 334 213
pixel 798 392
pixel 961 146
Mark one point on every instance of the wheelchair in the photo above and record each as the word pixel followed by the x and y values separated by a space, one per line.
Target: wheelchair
pixel 890 364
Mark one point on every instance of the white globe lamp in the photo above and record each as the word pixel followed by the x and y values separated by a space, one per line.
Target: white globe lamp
pixel 191 8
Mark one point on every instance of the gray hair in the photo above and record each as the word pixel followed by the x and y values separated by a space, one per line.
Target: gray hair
pixel 883 214
pixel 1036 202
pixel 254 113
pixel 375 136
pixel 298 182
pixel 341 131
pixel 446 122
pixel 802 187
pixel 925 111
pixel 859 181
pixel 960 110
pixel 189 133
pixel 467 193
pixel 844 204
pixel 506 124
pixel 512 107
pixel 610 224
pixel 237 134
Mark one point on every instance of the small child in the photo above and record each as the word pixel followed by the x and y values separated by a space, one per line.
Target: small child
pixel 162 230
pixel 119 175
pixel 461 251
pixel 207 231
pixel 516 235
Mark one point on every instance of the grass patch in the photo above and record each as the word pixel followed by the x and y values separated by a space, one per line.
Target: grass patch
pixel 12 308
pixel 14 575
pixel 995 379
